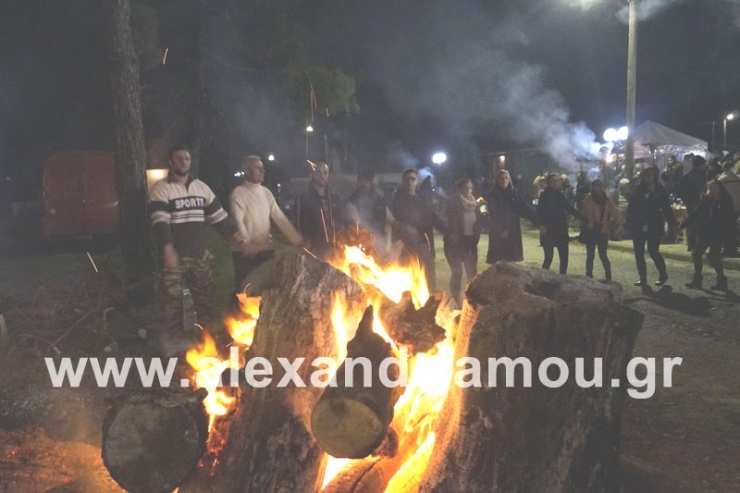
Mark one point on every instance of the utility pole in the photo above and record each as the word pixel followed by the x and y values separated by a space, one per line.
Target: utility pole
pixel 629 153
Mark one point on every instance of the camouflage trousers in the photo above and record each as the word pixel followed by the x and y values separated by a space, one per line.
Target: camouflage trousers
pixel 196 275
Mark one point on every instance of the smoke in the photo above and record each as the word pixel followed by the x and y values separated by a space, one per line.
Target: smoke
pixel 646 9
pixel 457 67
pixel 248 117
pixel 735 8
pixel 400 158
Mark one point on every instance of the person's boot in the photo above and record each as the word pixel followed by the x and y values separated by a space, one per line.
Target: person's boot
pixel 608 274
pixel 641 282
pixel 721 284
pixel 662 279
pixel 695 282
pixel 590 275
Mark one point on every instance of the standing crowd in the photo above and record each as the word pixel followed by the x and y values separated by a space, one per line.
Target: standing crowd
pixel 181 207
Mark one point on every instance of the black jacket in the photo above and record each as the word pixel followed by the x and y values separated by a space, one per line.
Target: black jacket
pixel 505 207
pixel 691 188
pixel 648 211
pixel 319 230
pixel 419 218
pixel 552 213
pixel 714 221
pixel 371 209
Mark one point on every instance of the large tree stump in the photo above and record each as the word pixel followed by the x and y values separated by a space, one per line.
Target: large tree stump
pixel 269 447
pixel 535 439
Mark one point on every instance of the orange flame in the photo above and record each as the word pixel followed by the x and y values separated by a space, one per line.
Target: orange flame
pixel 430 373
pixel 209 365
pixel 392 281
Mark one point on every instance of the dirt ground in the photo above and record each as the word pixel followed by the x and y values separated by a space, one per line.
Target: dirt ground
pixel 684 438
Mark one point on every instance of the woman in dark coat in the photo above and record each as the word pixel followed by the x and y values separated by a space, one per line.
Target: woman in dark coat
pixel 714 220
pixel 505 206
pixel 648 210
pixel 552 213
pixel 463 219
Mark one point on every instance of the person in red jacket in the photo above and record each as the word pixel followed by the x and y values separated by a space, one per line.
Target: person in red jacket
pixel 600 213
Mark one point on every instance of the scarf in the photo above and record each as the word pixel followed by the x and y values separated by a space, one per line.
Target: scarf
pixel 468 203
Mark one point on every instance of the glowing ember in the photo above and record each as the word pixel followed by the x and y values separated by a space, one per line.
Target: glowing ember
pixel 407 478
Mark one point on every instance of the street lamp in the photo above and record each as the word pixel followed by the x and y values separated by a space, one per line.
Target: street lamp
pixel 730 116
pixel 629 148
pixel 439 157
pixel 611 135
pixel 629 151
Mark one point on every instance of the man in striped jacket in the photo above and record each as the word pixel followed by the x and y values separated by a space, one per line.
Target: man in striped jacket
pixel 180 208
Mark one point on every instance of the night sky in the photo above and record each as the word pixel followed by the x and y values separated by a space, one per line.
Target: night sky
pixel 466 75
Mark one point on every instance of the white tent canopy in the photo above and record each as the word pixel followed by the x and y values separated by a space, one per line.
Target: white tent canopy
pixel 651 136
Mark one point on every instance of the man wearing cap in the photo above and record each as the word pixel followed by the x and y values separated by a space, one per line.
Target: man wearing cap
pixel 690 189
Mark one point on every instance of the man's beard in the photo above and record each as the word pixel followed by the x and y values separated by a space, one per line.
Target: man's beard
pixel 180 172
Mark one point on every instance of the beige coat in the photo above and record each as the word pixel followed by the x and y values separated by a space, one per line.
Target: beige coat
pixel 595 212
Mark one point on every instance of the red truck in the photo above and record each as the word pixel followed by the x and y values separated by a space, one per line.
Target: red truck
pixel 78 194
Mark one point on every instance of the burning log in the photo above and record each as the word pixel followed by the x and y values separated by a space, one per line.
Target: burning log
pixel 497 438
pixel 268 445
pixel 351 420
pixel 414 328
pixel 152 440
pixel 373 474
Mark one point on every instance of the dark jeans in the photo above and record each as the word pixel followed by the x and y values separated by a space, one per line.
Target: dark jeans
pixel 562 256
pixel 243 265
pixel 653 247
pixel 731 245
pixel 463 254
pixel 421 251
pixel 714 258
pixel 602 245
pixel 691 229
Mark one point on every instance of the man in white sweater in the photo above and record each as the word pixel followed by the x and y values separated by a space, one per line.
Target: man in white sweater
pixel 252 207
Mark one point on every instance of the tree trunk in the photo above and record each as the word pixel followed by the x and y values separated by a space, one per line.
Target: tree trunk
pixel 136 243
pixel 535 439
pixel 269 447
pixel 152 440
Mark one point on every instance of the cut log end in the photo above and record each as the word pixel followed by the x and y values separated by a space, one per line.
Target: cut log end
pixel 152 443
pixel 347 428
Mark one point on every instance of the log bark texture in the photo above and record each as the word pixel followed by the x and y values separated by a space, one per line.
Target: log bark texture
pixel 535 439
pixel 152 440
pixel 269 447
pixel 136 245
